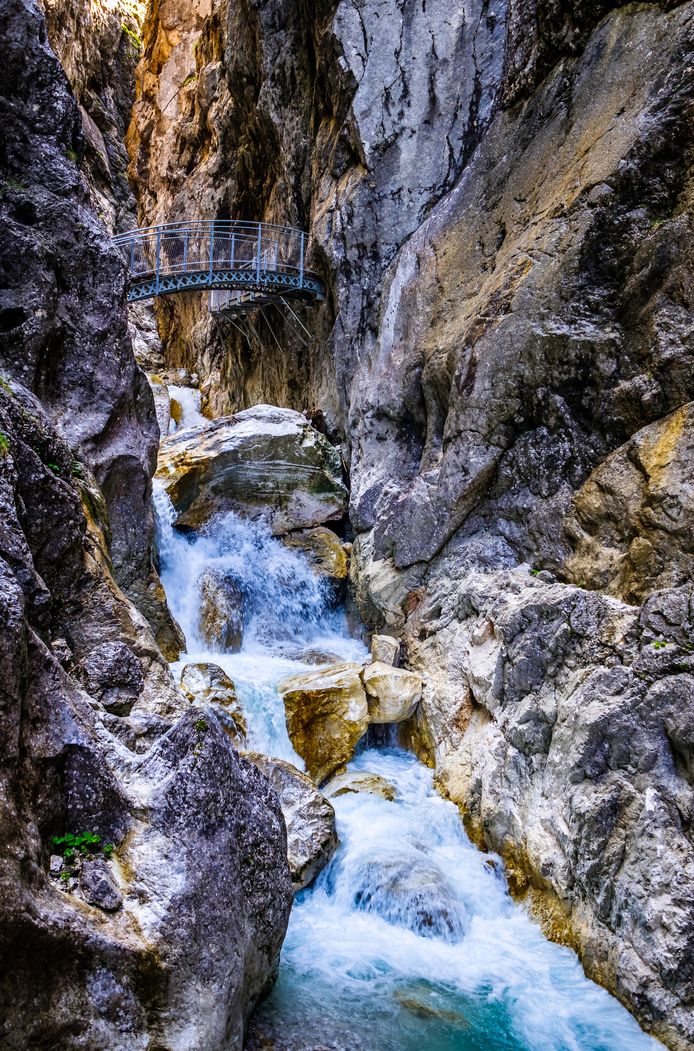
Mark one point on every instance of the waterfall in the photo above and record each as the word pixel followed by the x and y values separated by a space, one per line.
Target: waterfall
pixel 409 939
pixel 188 399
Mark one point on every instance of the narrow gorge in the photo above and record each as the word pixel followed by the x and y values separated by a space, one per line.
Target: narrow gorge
pixel 346 536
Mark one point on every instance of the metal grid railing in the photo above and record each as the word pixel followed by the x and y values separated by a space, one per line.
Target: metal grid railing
pixel 252 258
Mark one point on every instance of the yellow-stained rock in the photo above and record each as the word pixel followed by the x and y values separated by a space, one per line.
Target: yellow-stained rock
pixel 392 693
pixel 630 523
pixel 327 715
pixel 208 684
pixel 326 552
pixel 353 781
pixel 385 648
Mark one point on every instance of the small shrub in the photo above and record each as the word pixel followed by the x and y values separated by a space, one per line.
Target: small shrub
pixel 4 444
pixel 70 844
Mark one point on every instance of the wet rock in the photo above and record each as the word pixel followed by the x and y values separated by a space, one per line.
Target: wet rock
pixel 392 693
pixel 310 819
pixel 386 649
pixel 263 462
pixel 208 684
pixel 97 885
pixel 409 892
pixel 327 715
pixel 162 403
pixel 221 611
pixel 326 555
pixel 354 781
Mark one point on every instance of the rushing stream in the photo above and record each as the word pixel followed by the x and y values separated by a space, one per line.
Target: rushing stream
pixel 408 940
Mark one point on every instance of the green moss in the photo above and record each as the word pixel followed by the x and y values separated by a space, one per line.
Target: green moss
pixel 4 444
pixel 131 36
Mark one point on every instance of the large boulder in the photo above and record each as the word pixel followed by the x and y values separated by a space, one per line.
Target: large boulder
pixel 263 462
pixel 327 715
pixel 208 684
pixel 310 818
pixel 392 693
pixel 221 611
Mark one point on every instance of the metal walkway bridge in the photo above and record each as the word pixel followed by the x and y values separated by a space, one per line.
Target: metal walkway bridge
pixel 241 264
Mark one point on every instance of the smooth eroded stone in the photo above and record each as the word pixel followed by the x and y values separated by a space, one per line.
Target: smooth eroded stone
pixel 393 693
pixel 310 818
pixel 354 781
pixel 264 462
pixel 221 612
pixel 327 715
pixel 208 684
pixel 386 649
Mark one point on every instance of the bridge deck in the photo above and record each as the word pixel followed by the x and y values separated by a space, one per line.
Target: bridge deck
pixel 247 263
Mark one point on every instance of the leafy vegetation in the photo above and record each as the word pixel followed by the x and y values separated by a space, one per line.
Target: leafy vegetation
pixel 71 844
pixel 4 444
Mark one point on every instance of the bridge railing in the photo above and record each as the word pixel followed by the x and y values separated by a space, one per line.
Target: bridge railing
pixel 207 247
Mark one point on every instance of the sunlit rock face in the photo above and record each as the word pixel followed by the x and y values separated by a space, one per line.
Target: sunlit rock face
pixel 95 738
pixel 264 462
pixel 98 45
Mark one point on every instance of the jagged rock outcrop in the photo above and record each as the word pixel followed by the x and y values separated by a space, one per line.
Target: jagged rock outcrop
pixel 210 686
pixel 95 738
pixel 264 462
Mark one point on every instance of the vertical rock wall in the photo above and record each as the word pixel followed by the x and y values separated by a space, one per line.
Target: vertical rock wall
pixel 128 947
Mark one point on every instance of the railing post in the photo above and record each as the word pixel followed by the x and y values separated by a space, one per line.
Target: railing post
pixel 185 252
pixel 232 251
pixel 157 260
pixel 257 264
pixel 132 256
pixel 211 252
pixel 301 260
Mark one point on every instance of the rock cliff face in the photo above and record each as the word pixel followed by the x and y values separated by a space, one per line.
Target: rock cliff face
pixel 98 45
pixel 500 198
pixel 111 948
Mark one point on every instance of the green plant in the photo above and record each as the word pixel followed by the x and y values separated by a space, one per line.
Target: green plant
pixel 659 644
pixel 76 469
pixel 200 726
pixel 72 156
pixel 4 444
pixel 132 36
pixel 72 843
pixel 54 467
pixel 15 184
pixel 535 572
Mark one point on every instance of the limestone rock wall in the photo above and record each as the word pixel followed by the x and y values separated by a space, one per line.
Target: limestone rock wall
pixel 500 199
pixel 95 737
pixel 98 45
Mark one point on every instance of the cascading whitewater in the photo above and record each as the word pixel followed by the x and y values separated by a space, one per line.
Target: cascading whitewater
pixel 409 938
